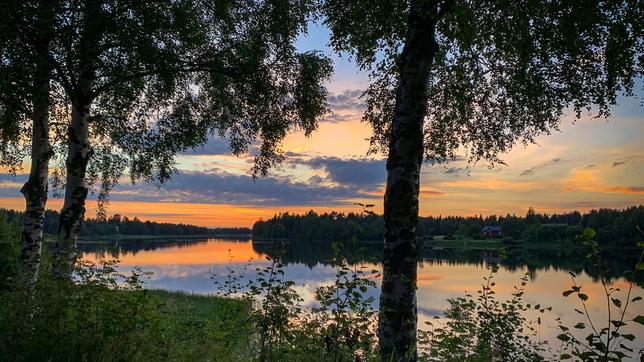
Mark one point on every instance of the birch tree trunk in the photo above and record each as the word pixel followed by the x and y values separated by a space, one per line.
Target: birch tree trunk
pixel 398 309
pixel 35 189
pixel 78 147
pixel 73 210
pixel 78 155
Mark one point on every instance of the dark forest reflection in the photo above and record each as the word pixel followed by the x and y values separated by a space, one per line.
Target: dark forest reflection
pixel 313 254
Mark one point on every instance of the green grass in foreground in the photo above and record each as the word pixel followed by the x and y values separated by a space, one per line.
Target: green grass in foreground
pixel 203 328
pixel 97 322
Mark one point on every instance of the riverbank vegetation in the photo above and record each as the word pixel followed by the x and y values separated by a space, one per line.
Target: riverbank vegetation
pixel 616 227
pixel 95 319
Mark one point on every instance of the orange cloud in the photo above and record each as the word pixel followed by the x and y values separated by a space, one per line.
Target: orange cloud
pixel 431 193
pixel 589 180
pixel 343 139
pixel 494 184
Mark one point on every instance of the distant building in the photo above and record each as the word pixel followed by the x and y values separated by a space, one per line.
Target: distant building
pixel 492 232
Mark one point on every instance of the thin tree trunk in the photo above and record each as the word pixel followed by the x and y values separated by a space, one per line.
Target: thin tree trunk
pixel 73 210
pixel 35 189
pixel 398 310
pixel 78 147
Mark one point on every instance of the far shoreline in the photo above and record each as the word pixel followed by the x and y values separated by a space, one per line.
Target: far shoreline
pixel 152 237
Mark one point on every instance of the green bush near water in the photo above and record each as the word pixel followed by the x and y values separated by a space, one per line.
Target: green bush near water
pixel 98 319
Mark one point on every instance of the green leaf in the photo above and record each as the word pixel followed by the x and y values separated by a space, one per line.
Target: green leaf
pixel 636 299
pixel 580 326
pixel 565 356
pixel 617 302
pixel 589 233
pixel 583 296
pixel 639 319
pixel 640 266
pixel 567 293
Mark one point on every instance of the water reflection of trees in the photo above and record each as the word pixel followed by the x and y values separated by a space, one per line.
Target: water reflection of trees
pixel 124 247
pixel 618 262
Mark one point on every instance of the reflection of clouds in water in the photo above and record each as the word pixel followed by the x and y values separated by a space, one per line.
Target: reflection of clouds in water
pixel 190 278
pixel 201 278
pixel 176 271
pixel 308 280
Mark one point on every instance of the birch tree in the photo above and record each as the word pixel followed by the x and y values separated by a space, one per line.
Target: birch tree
pixel 147 79
pixel 479 76
pixel 26 36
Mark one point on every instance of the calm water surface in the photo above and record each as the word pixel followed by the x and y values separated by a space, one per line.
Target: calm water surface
pixel 192 265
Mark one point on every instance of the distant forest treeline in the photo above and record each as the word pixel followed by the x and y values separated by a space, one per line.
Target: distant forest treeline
pixel 617 227
pixel 122 225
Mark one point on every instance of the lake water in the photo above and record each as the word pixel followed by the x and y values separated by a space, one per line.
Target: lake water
pixel 192 265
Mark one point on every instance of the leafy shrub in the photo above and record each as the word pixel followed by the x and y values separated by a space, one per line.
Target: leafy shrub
pixel 102 315
pixel 604 341
pixel 275 306
pixel 483 329
pixel 340 328
pixel 107 316
pixel 345 319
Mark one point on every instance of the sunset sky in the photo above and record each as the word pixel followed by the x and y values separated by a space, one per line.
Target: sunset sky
pixel 592 163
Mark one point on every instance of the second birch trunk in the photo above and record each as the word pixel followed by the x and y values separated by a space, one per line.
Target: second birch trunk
pixel 73 210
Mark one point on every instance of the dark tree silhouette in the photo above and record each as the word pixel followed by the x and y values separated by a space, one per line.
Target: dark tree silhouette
pixel 474 75
pixel 616 228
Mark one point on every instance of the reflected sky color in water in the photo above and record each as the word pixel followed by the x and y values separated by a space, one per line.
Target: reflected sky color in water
pixel 194 266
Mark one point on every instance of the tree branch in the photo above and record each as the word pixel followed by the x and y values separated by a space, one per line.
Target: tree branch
pixel 62 77
pixel 189 68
